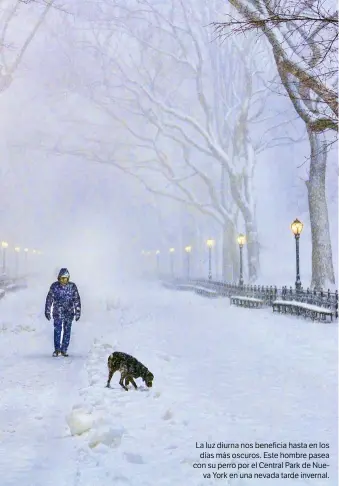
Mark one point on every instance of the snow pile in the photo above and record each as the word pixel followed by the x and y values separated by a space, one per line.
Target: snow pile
pixel 89 414
pixel 106 435
pixel 79 421
pixel 85 419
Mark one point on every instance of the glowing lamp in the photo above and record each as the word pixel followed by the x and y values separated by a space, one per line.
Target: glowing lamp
pixel 297 227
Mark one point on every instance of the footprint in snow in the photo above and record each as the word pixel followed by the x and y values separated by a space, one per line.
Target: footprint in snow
pixel 133 458
pixel 142 389
pixel 168 415
pixel 121 480
pixel 172 447
pixel 165 357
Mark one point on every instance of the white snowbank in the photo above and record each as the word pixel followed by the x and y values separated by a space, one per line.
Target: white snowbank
pixel 79 421
pixel 107 436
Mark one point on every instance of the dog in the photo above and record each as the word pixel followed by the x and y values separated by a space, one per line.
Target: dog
pixel 130 369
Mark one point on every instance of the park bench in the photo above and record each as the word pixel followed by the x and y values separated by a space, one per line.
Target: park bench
pixel 243 301
pixel 168 285
pixel 178 286
pixel 13 287
pixel 294 307
pixel 185 287
pixel 205 291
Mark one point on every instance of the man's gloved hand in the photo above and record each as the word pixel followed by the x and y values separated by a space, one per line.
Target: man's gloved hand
pixel 48 316
pixel 77 318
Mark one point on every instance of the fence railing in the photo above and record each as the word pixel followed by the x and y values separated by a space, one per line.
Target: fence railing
pixel 321 298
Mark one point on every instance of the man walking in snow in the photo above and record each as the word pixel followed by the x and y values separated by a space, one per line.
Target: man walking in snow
pixel 63 295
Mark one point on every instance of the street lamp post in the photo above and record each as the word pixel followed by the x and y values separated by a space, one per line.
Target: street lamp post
pixel 17 251
pixel 26 260
pixel 143 265
pixel 188 250
pixel 297 227
pixel 157 253
pixel 172 250
pixel 241 241
pixel 4 245
pixel 210 244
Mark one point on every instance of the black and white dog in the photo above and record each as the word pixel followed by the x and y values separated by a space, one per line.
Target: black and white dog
pixel 130 369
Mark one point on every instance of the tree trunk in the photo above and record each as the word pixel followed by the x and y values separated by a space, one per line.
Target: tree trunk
pixel 248 212
pixel 230 253
pixel 252 246
pixel 243 195
pixel 322 264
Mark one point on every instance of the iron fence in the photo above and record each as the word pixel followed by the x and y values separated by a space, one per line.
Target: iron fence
pixel 321 298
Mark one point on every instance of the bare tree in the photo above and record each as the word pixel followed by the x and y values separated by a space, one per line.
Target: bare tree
pixel 186 109
pixel 10 11
pixel 303 39
pixel 189 93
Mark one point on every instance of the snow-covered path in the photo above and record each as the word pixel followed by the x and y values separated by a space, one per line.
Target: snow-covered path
pixel 35 391
pixel 221 374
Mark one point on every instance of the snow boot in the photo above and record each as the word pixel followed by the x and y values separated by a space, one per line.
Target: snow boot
pixel 64 353
pixel 56 353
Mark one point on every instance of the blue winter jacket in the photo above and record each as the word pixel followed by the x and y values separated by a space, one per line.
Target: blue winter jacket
pixel 65 300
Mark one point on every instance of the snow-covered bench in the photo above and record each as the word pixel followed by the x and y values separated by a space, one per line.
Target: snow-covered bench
pixel 13 287
pixel 2 293
pixel 302 308
pixel 168 285
pixel 178 286
pixel 206 291
pixel 243 301
pixel 185 287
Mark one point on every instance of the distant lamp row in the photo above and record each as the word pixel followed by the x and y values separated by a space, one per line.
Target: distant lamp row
pixel 296 227
pixel 5 245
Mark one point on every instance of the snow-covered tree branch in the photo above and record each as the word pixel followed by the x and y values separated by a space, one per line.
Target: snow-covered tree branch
pixel 195 120
pixel 304 41
pixel 10 11
pixel 306 57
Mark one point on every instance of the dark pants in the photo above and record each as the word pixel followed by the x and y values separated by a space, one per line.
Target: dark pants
pixel 66 325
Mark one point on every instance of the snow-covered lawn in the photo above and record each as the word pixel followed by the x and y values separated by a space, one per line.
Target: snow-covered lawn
pixel 221 374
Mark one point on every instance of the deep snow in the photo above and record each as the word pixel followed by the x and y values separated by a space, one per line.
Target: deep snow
pixel 221 374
